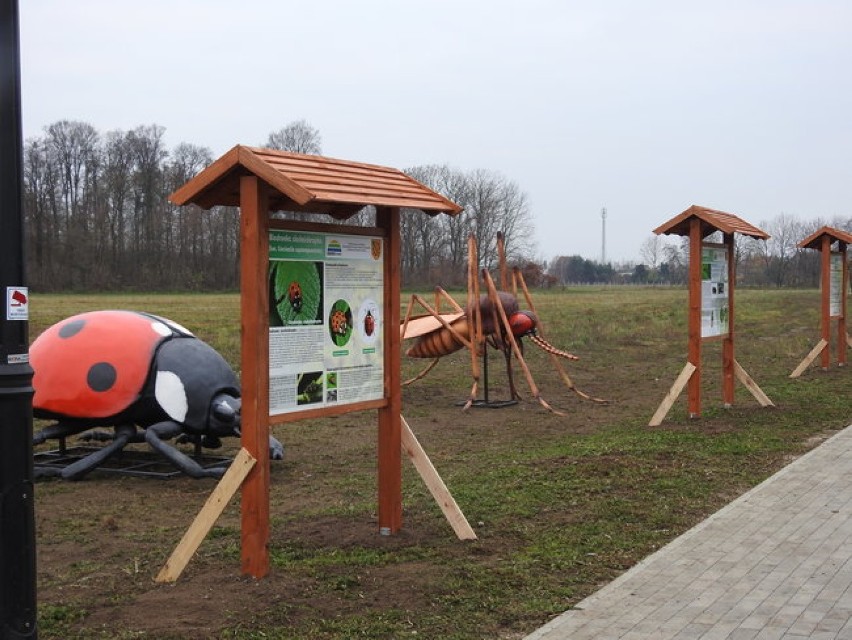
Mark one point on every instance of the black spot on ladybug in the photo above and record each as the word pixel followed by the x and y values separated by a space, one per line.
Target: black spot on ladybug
pixel 101 376
pixel 71 329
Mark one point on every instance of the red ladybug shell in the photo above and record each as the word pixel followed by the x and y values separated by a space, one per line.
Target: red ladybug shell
pixel 94 365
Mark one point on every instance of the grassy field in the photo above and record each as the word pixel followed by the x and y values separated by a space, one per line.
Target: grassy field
pixel 561 505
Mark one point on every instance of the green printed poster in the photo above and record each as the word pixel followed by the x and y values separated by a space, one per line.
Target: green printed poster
pixel 325 320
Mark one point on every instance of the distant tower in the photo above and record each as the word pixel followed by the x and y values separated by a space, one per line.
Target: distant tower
pixel 603 235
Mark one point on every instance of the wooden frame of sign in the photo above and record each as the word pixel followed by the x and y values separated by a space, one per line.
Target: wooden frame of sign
pixel 712 280
pixel 263 181
pixel 834 286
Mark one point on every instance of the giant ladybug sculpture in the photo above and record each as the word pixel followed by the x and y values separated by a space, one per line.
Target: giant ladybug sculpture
pixel 127 369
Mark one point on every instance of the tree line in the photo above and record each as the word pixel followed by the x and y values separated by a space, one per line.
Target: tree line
pixel 776 262
pixel 98 217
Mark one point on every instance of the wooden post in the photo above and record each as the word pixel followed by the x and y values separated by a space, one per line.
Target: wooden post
pixel 254 318
pixel 842 341
pixel 826 300
pixel 728 340
pixel 694 355
pixel 390 425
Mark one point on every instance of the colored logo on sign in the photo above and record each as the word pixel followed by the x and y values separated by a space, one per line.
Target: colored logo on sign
pixel 333 248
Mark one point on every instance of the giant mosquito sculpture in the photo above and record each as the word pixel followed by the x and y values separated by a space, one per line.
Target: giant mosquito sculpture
pixel 496 320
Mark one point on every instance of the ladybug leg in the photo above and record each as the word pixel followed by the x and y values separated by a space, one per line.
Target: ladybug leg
pixel 155 436
pixel 186 438
pixel 59 430
pixel 211 442
pixel 99 436
pixel 276 449
pixel 106 436
pixel 123 435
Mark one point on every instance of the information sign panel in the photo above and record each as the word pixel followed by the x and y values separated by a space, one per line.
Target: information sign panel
pixel 835 295
pixel 714 290
pixel 325 320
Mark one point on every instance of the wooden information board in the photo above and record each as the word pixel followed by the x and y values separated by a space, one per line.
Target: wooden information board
pixel 712 279
pixel 263 181
pixel 834 285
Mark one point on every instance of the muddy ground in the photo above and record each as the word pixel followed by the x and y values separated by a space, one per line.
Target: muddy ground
pixel 102 540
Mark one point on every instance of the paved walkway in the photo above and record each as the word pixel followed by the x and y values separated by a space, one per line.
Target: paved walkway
pixel 774 564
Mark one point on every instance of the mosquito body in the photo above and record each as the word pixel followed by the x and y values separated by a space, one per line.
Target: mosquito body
pixel 493 318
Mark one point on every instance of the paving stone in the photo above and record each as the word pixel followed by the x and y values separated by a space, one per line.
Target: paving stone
pixel 775 564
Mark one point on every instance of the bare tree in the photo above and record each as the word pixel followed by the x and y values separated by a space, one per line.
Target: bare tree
pixel 98 215
pixel 192 244
pixel 116 184
pixel 651 251
pixel 515 223
pixel 298 136
pixel 72 150
pixel 435 249
pixel 40 207
pixel 452 230
pixel 435 245
pixel 152 237
pixel 778 252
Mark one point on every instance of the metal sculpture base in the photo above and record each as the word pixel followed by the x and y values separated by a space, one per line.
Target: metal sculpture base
pixel 486 403
pixel 129 462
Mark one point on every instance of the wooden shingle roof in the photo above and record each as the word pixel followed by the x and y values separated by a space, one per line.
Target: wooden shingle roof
pixel 814 241
pixel 308 183
pixel 711 221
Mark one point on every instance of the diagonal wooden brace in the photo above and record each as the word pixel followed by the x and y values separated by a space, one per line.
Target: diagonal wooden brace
pixel 804 364
pixel 672 395
pixel 762 399
pixel 436 486
pixel 206 518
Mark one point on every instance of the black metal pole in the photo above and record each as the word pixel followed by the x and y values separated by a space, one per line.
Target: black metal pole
pixel 17 518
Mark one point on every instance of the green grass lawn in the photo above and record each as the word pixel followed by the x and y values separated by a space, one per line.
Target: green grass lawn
pixel 561 505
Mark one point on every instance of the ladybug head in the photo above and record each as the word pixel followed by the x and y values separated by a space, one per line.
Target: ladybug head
pixel 225 415
pixel 523 323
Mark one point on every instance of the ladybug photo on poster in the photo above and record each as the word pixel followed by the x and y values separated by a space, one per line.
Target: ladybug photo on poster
pixel 325 319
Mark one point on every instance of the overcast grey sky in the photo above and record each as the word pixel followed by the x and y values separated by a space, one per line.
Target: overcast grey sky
pixel 641 107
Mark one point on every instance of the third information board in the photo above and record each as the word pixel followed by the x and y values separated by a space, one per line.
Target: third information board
pixel 714 290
